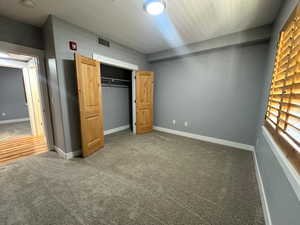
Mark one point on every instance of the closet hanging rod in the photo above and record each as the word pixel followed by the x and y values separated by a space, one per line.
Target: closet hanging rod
pixel 117 86
pixel 116 79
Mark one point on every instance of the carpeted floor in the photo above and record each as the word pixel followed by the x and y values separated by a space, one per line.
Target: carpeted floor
pixel 14 130
pixel 151 179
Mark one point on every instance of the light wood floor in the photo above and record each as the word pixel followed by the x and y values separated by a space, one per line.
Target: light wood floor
pixel 21 147
pixel 15 130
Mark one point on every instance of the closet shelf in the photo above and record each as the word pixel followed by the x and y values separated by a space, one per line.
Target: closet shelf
pixel 115 79
pixel 112 85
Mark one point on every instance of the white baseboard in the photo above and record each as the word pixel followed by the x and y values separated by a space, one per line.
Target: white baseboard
pixel 117 129
pixel 263 197
pixel 206 138
pixel 69 155
pixel 14 121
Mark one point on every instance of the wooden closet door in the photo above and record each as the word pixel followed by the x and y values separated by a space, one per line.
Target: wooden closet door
pixel 144 101
pixel 90 104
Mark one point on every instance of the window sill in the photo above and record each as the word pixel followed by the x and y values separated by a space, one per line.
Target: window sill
pixel 289 170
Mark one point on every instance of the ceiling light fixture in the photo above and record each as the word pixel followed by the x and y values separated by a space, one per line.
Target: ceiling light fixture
pixel 4 55
pixel 154 7
pixel 28 3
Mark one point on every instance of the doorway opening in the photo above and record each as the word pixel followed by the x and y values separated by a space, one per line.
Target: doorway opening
pixel 22 123
pixel 120 75
pixel 14 115
pixel 117 96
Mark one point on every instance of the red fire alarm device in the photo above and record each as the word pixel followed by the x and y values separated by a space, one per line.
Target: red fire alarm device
pixel 73 45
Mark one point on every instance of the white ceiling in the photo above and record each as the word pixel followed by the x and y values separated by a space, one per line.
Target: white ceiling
pixel 124 21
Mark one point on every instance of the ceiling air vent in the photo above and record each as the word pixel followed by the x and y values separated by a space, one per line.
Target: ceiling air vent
pixel 104 42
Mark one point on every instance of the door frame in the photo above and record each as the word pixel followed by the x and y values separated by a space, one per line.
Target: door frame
pixel 125 65
pixel 39 55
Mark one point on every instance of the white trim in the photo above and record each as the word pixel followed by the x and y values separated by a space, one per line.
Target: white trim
pixel 69 155
pixel 60 152
pixel 262 193
pixel 117 129
pixel 206 138
pixel 14 120
pixel 28 91
pixel 289 170
pixel 38 54
pixel 125 65
pixel 114 62
pixel 133 101
pixel 12 63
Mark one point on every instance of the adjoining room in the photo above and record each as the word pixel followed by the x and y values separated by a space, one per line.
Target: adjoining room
pixel 22 126
pixel 14 110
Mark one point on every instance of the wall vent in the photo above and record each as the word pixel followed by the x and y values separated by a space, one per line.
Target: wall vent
pixel 104 42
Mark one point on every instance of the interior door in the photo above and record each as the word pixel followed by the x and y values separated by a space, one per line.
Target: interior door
pixel 90 104
pixel 144 101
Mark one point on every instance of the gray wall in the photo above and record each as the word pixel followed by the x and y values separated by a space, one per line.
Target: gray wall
pixel 20 33
pixel 283 203
pixel 116 107
pixel 217 92
pixel 53 86
pixel 87 42
pixel 12 95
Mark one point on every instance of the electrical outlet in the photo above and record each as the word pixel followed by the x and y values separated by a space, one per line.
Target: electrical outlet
pixel 3 114
pixel 186 123
pixel 174 122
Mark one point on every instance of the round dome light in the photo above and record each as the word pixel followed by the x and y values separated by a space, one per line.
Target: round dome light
pixel 28 3
pixel 154 7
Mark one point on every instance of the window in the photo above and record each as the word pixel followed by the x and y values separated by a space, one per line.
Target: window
pixel 283 110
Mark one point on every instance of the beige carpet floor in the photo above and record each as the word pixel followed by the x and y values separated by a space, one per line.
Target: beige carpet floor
pixel 151 179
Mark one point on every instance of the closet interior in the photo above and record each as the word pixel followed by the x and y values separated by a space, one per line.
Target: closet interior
pixel 117 89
